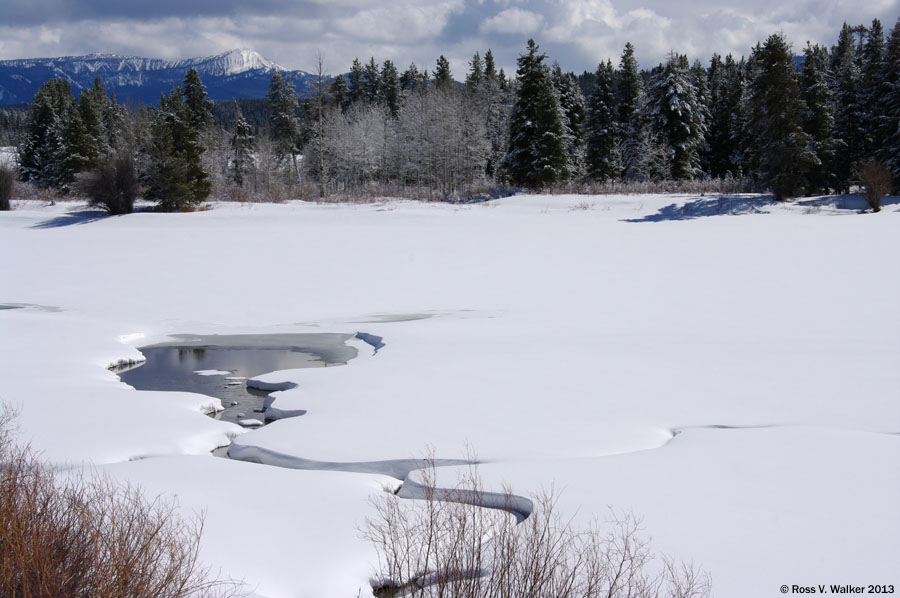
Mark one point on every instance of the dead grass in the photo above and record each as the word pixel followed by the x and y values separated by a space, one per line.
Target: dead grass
pixel 88 536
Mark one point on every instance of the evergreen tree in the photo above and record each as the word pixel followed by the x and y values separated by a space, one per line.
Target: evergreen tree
pixel 490 70
pixel 176 179
pixel 340 93
pixel 848 116
pixel 872 88
pixel 475 77
pixel 371 83
pixel 241 147
pixel 355 80
pixel 629 93
pixel 675 115
pixel 410 78
pixel 890 105
pixel 442 77
pixel 818 121
pixel 537 153
pixel 284 129
pixel 603 160
pixel 780 148
pixel 44 154
pixel 726 82
pixel 198 105
pixel 390 87
pixel 572 111
pixel 700 80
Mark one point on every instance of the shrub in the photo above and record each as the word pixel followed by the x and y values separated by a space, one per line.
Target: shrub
pixel 89 536
pixel 112 185
pixel 877 179
pixel 7 182
pixel 447 545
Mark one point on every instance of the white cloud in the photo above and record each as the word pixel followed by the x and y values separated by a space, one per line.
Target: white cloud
pixel 513 21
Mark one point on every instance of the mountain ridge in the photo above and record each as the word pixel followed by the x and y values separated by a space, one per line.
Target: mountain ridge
pixel 240 73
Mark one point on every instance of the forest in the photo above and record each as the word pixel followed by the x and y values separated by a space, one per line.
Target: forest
pixel 822 122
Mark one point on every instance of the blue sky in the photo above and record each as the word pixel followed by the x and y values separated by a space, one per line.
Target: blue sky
pixel 577 33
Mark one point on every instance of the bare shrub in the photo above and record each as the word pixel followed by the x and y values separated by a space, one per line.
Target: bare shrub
pixel 7 183
pixel 112 185
pixel 90 536
pixel 877 179
pixel 448 546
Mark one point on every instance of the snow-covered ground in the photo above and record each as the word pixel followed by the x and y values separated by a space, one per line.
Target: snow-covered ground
pixel 724 367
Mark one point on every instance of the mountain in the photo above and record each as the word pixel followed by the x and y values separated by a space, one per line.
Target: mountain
pixel 239 73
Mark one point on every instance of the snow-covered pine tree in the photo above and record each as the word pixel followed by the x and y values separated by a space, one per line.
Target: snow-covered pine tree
pixel 700 79
pixel 475 76
pixel 818 120
pixel 602 148
pixel 572 110
pixel 43 154
pixel 890 106
pixel 780 148
pixel 241 147
pixel 849 139
pixel 537 152
pixel 629 94
pixel 284 128
pixel 673 111
pixel 872 88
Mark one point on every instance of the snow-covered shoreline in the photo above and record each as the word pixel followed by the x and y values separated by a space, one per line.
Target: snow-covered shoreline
pixel 567 338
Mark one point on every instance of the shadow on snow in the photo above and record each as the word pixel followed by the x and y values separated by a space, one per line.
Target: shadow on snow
pixel 735 206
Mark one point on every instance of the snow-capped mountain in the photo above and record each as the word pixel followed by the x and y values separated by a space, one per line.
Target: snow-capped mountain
pixel 238 73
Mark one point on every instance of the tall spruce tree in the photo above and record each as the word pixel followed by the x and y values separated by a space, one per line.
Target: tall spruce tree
pixel 890 105
pixel 603 159
pixel 442 77
pixel 48 154
pixel 849 136
pixel 371 83
pixel 475 76
pixel 355 81
pixel 572 112
pixel 175 156
pixel 818 120
pixel 872 88
pixel 241 147
pixel 780 148
pixel 284 129
pixel 676 116
pixel 629 92
pixel 390 87
pixel 537 152
pixel 340 93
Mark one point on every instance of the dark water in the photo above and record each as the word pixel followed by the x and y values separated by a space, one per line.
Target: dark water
pixel 173 365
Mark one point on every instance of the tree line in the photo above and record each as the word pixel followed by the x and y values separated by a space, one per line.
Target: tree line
pixel 814 125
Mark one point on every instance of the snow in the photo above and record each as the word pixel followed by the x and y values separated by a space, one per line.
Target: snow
pixel 211 372
pixel 723 367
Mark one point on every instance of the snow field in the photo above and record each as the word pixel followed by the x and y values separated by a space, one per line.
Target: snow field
pixel 565 345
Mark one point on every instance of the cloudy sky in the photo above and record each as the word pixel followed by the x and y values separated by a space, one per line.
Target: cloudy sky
pixel 577 33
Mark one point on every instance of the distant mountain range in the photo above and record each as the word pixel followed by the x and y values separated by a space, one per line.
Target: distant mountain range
pixel 238 74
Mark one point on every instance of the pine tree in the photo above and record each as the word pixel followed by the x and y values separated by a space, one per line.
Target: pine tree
pixel 340 93
pixel 848 116
pixel 44 153
pixel 442 77
pixel 410 78
pixel 603 160
pixel 355 80
pixel 818 121
pixel 779 146
pixel 700 80
pixel 726 82
pixel 629 93
pixel 475 77
pixel 169 178
pixel 675 115
pixel 371 83
pixel 241 147
pixel 890 105
pixel 284 129
pixel 537 153
pixel 490 70
pixel 872 88
pixel 572 112
pixel 390 87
